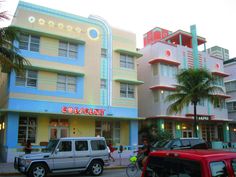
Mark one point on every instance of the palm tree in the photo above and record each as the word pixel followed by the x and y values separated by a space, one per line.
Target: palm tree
pixel 9 54
pixel 193 85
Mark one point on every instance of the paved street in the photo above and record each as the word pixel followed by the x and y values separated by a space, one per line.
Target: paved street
pixel 106 173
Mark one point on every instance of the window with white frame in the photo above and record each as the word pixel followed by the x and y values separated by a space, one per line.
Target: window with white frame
pixel 67 49
pixel 27 129
pixel 127 90
pixel 230 86
pixel 108 129
pixel 66 83
pixel 218 80
pixel 103 84
pixel 168 70
pixel 231 106
pixel 221 105
pixel 126 61
pixel 27 78
pixel 29 42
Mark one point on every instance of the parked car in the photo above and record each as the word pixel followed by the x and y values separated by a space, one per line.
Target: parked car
pixel 180 143
pixel 190 163
pixel 66 155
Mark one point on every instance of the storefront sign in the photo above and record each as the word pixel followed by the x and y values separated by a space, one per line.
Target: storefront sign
pixel 203 117
pixel 83 111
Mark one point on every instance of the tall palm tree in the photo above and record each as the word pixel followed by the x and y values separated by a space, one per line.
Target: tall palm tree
pixel 193 85
pixel 9 54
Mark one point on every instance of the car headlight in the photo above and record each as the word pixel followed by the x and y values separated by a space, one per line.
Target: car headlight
pixel 24 162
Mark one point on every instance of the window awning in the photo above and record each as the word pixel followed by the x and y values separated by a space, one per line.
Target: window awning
pixel 129 81
pixel 218 73
pixel 162 87
pixel 72 73
pixel 163 60
pixel 128 52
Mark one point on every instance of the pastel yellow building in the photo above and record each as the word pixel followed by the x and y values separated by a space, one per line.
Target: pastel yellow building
pixel 82 81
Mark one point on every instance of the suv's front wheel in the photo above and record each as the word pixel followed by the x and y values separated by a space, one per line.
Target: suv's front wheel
pixel 96 168
pixel 37 170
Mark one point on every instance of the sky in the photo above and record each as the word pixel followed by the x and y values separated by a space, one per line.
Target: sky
pixel 214 19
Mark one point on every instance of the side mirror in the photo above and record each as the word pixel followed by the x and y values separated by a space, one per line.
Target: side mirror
pixel 56 151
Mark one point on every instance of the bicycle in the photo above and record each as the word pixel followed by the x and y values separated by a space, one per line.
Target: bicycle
pixel 134 166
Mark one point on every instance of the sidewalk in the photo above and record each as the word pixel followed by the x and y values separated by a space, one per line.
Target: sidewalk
pixel 7 169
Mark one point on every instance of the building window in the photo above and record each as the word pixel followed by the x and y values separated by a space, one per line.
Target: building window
pixel 230 86
pixel 168 70
pixel 219 81
pixel 67 49
pixel 127 90
pixel 104 53
pixel 231 106
pixel 108 129
pixel 156 96
pixel 59 128
pixel 29 42
pixel 154 69
pixel 66 83
pixel 221 105
pixel 27 129
pixel 27 79
pixel 103 84
pixel 126 61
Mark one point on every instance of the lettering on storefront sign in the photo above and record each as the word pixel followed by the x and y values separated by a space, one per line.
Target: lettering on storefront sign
pixel 82 111
pixel 203 117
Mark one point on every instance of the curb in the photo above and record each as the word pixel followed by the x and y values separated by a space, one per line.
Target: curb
pixel 18 173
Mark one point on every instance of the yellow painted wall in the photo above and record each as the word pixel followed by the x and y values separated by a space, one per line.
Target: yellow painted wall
pixel 42 129
pixel 47 81
pixel 124 133
pixel 49 46
pixel 82 127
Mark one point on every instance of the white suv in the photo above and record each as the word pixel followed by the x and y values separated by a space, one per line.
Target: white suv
pixel 66 155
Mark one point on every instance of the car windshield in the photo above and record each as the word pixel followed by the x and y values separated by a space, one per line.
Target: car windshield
pixel 51 145
pixel 162 144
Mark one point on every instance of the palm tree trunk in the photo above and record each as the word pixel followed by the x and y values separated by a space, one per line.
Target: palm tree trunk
pixel 195 119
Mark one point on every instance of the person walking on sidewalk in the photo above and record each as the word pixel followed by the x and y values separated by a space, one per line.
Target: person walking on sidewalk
pixel 28 147
pixel 111 150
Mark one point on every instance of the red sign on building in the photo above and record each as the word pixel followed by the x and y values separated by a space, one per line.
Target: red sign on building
pixel 83 111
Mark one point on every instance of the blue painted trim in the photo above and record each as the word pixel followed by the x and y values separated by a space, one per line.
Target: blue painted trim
pixel 12 124
pixel 50 107
pixel 30 90
pixel 133 133
pixel 79 61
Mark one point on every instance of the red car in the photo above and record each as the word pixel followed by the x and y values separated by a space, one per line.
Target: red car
pixel 190 163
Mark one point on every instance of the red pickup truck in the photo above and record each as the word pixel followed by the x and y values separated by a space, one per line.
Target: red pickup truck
pixel 190 163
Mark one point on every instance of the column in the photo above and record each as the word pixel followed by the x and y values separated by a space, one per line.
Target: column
pixel 180 39
pixel 12 122
pixel 133 133
pixel 226 132
pixel 195 46
pixel 178 133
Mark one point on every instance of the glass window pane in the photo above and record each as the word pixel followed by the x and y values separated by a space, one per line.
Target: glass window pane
pixel 35 39
pixel 32 74
pixel 63 45
pixel 34 47
pixel 71 88
pixel 24 38
pixel 23 45
pixel 20 81
pixel 61 86
pixel 73 47
pixel 72 54
pixel 62 52
pixel 31 82
pixel 65 146
pixel 81 145
pixel 218 169
pixel 71 79
pixel 61 78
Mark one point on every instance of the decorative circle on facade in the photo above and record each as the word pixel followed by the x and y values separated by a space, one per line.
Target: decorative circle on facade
pixel 31 19
pixel 60 25
pixel 51 23
pixel 41 21
pixel 168 53
pixel 69 28
pixel 93 33
pixel 78 29
pixel 217 66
